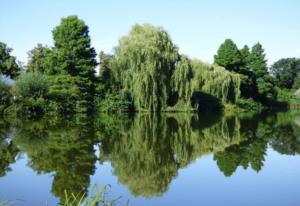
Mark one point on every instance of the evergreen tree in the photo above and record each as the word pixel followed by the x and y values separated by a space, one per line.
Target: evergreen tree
pixel 8 65
pixel 265 82
pixel 75 56
pixel 245 58
pixel 258 62
pixel 228 56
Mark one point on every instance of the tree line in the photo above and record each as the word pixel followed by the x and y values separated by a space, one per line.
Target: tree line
pixel 145 73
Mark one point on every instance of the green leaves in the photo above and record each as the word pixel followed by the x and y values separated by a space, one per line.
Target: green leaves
pixel 32 85
pixel 228 56
pixel 8 65
pixel 143 64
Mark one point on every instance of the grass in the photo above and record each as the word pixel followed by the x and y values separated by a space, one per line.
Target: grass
pixel 96 198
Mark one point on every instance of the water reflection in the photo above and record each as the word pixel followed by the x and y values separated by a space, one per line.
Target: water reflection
pixel 146 150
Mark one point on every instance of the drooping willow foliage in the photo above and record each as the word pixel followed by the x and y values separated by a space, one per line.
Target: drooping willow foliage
pixel 147 66
pixel 143 64
pixel 182 78
pixel 148 154
pixel 216 81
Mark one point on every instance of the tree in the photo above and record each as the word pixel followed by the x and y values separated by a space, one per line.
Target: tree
pixel 285 72
pixel 258 65
pixel 8 65
pixel 228 56
pixel 72 43
pixel 75 56
pixel 258 62
pixel 105 71
pixel 40 59
pixel 182 79
pixel 143 64
pixel 245 58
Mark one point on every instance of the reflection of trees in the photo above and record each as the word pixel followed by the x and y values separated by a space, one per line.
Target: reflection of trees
pixel 147 155
pixel 286 137
pixel 66 150
pixel 251 151
pixel 147 150
pixel 8 151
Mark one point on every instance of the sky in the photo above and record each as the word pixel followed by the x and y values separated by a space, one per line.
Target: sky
pixel 197 27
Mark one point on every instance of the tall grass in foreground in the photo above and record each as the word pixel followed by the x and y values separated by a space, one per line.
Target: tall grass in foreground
pixel 96 198
pixel 99 198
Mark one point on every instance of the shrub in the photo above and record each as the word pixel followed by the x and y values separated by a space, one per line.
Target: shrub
pixel 249 104
pixel 31 85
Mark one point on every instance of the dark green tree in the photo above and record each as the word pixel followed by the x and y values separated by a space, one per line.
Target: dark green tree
pixel 228 56
pixel 285 71
pixel 75 56
pixel 8 64
pixel 265 82
pixel 245 58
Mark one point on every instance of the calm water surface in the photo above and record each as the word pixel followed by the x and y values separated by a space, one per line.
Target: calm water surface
pixel 172 159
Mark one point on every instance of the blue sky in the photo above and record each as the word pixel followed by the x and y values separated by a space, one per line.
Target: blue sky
pixel 196 27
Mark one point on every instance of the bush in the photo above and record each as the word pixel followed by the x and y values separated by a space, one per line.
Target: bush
pixel 114 102
pixel 249 104
pixel 31 85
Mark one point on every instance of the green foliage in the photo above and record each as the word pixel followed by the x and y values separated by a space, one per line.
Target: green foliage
pixel 182 80
pixel 5 96
pixel 8 65
pixel 249 104
pixel 245 59
pixel 114 102
pixel 258 62
pixel 74 55
pixel 228 56
pixel 143 64
pixel 40 59
pixel 285 72
pixel 31 85
pixel 63 94
pixel 265 82
pixel 216 81
pixel 73 48
pixel 105 71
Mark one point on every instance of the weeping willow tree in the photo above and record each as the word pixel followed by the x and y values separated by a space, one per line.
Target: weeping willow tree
pixel 143 64
pixel 181 83
pixel 216 81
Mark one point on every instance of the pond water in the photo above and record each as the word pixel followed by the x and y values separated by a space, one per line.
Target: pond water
pixel 171 159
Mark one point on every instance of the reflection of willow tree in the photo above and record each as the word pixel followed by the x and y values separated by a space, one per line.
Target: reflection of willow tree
pixel 147 154
pixel 8 151
pixel 250 152
pixel 66 150
pixel 286 137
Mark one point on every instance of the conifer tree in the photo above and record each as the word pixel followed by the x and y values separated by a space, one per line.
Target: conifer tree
pixel 228 56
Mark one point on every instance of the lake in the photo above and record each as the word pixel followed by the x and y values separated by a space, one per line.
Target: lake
pixel 168 159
